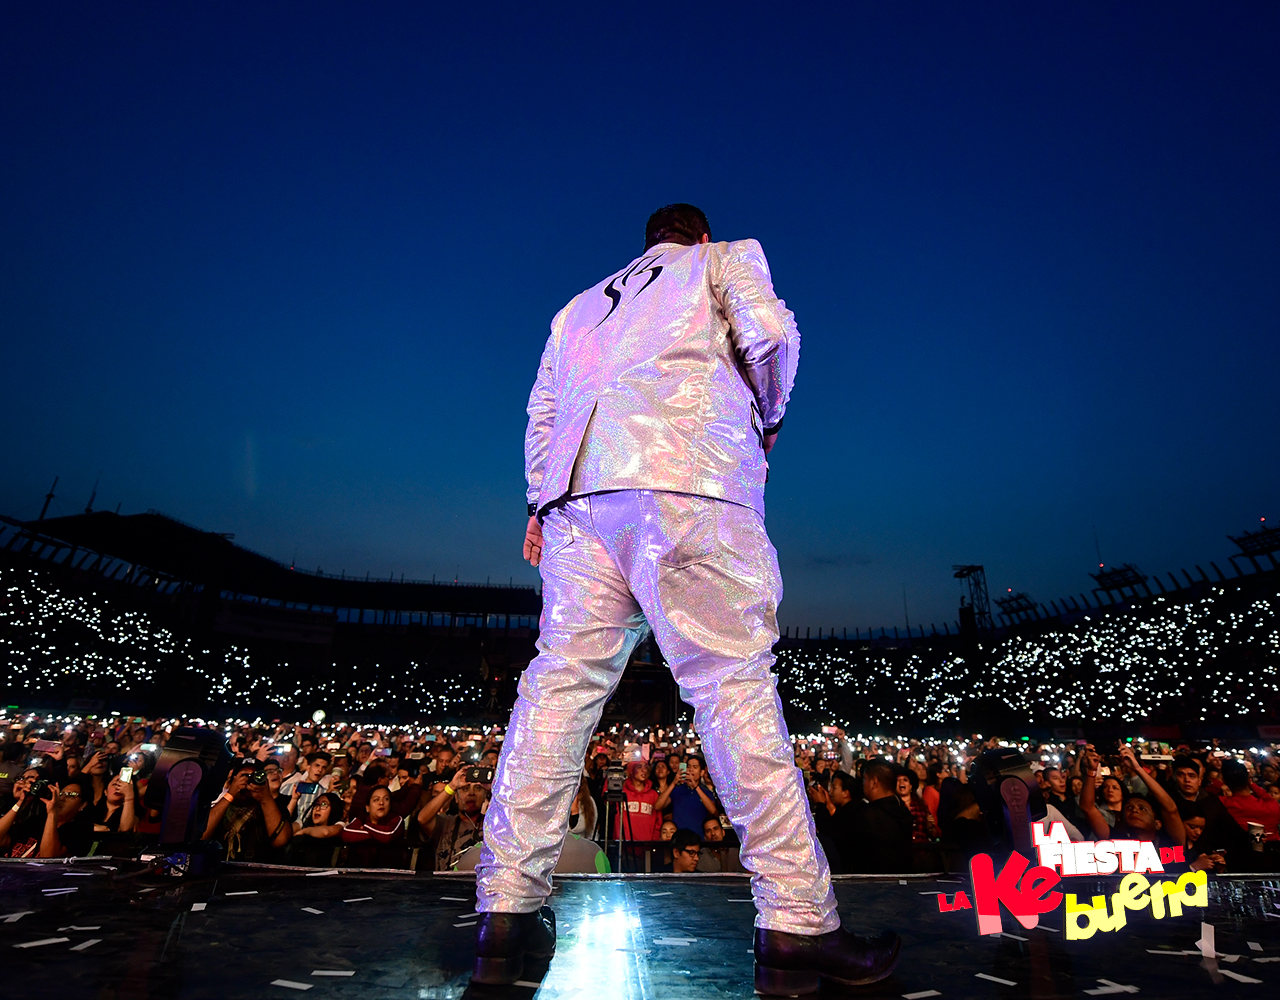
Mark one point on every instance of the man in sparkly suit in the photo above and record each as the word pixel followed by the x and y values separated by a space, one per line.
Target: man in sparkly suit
pixel 659 394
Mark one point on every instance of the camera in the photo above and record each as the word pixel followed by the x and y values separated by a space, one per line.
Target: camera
pixel 40 789
pixel 614 780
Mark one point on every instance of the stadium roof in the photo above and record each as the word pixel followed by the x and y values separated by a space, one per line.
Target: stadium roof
pixel 179 550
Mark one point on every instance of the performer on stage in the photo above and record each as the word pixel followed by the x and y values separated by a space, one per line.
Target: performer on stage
pixel 659 394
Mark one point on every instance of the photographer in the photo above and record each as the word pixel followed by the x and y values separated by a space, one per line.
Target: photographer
pixel 1139 820
pixel 691 800
pixel 245 817
pixel 68 831
pixel 448 834
pixel 22 824
pixel 116 814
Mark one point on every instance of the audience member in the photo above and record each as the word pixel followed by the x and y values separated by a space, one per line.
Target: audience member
pixel 377 839
pixel 245 818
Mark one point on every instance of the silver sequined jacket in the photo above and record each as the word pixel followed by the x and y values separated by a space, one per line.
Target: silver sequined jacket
pixel 665 376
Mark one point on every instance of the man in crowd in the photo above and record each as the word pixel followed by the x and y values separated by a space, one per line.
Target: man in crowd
pixel 686 852
pixel 316 776
pixel 1249 802
pixel 640 816
pixel 876 835
pixel 691 800
pixel 1193 800
pixel 448 834
pixel 245 818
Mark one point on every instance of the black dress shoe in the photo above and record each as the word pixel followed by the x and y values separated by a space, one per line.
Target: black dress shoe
pixel 504 939
pixel 791 965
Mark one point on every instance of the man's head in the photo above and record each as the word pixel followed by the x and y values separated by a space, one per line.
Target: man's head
pixel 841 789
pixel 1235 776
pixel 308 745
pixel 1186 775
pixel 1141 818
pixel 275 774
pixel 686 849
pixel 318 764
pixel 712 830
pixel 638 772
pixel 678 223
pixel 877 781
pixel 1056 780
pixel 694 766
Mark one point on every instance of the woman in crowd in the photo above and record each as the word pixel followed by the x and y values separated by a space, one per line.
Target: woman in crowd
pixel 116 813
pixel 316 836
pixel 1156 820
pixel 930 794
pixel 661 776
pixel 1110 795
pixel 923 828
pixel 582 814
pixel 378 840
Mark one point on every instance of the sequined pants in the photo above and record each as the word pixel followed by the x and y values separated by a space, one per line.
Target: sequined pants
pixel 703 574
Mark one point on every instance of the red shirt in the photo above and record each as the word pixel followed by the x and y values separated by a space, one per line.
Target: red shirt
pixel 1259 807
pixel 641 821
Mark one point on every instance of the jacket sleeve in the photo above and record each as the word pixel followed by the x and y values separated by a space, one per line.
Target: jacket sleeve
pixel 542 421
pixel 763 329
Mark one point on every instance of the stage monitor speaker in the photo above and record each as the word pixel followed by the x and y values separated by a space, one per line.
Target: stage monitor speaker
pixel 1010 796
pixel 189 774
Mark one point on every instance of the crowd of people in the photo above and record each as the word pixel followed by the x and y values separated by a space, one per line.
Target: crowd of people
pixel 1183 658
pixel 415 797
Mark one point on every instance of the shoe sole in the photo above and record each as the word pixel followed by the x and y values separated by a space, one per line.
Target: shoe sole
pixel 498 971
pixel 794 983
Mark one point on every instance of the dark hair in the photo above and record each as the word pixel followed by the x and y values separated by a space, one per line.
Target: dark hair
pixel 336 808
pixel 847 781
pixel 678 223
pixel 702 761
pixel 1185 760
pixel 1235 775
pixel 319 755
pixel 684 839
pixel 374 772
pixel 934 773
pixel 880 773
pixel 711 819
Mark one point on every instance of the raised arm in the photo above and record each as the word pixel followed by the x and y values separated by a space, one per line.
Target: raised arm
pixel 1089 794
pixel 764 331
pixel 1168 811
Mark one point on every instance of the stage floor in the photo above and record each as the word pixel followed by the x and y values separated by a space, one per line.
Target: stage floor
pixel 85 930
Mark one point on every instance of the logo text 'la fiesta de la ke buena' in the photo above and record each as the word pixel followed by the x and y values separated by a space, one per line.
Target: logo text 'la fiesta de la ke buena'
pixel 1027 894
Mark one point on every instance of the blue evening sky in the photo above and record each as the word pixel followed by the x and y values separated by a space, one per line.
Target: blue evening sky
pixel 285 269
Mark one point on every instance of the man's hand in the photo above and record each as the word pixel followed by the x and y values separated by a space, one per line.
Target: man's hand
pixel 533 541
pixel 261 792
pixel 237 784
pixel 769 440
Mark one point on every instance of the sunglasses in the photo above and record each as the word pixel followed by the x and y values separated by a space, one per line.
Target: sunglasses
pixel 69 795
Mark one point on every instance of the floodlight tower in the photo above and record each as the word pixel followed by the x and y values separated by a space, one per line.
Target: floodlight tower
pixel 979 602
